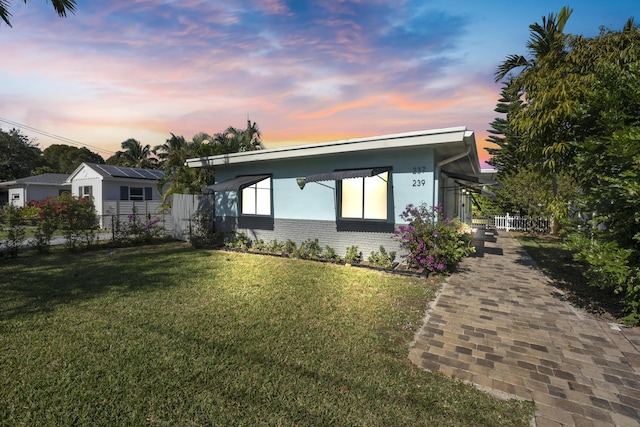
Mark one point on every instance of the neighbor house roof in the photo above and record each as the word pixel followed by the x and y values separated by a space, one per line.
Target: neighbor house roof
pixel 110 171
pixel 43 179
pixel 449 143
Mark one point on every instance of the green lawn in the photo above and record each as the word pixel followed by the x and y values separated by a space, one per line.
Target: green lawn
pixel 171 336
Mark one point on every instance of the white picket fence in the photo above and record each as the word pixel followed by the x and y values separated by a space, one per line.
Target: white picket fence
pixel 517 223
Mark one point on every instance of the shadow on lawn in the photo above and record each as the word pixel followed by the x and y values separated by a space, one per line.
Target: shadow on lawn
pixel 37 284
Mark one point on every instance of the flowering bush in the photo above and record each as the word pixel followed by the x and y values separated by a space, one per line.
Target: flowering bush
pixel 137 229
pixel 432 242
pixel 75 216
pixel 78 219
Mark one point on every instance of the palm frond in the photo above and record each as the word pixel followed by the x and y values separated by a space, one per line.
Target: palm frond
pixel 511 63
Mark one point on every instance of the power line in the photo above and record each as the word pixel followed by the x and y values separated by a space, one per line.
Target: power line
pixel 50 135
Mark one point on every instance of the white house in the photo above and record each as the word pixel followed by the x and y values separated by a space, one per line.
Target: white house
pixel 344 193
pixel 108 183
pixel 38 187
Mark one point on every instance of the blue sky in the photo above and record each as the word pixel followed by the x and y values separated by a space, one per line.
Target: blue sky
pixel 303 71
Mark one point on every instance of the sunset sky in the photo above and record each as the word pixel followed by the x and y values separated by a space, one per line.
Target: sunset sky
pixel 303 71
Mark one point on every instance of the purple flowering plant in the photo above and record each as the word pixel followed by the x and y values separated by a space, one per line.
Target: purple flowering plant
pixel 431 241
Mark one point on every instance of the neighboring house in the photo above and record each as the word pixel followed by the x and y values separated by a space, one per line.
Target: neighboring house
pixel 38 187
pixel 107 183
pixel 344 193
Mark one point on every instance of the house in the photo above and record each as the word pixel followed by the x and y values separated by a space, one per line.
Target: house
pixel 344 193
pixel 104 183
pixel 38 187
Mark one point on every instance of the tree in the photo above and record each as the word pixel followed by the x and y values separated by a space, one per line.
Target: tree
pixel 61 158
pixel 234 140
pixel 135 155
pixel 542 122
pixel 19 156
pixel 173 155
pixel 176 150
pixel 581 115
pixel 508 157
pixel 60 6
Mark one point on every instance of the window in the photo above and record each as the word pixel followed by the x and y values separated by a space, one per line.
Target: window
pixel 256 198
pixel 86 191
pixel 364 197
pixel 136 193
pixel 15 196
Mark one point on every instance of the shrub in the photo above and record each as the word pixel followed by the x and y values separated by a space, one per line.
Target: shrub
pixel 78 219
pixel 353 256
pixel 137 229
pixel 432 242
pixel 16 230
pixel 382 259
pixel 202 231
pixel 48 222
pixel 611 268
pixel 309 249
pixel 330 253
pixel 289 247
pixel 236 240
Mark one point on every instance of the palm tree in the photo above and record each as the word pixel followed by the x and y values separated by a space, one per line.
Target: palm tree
pixel 544 40
pixel 234 140
pixel 543 79
pixel 136 155
pixel 60 6
pixel 173 155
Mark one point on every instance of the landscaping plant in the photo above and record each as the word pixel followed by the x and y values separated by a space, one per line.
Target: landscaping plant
pixel 138 229
pixel 433 242
pixel 382 259
pixel 16 231
pixel 353 256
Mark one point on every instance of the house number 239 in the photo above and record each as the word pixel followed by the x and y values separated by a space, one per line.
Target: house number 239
pixel 417 170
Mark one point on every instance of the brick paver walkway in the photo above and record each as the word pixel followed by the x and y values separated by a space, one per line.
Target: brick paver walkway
pixel 500 324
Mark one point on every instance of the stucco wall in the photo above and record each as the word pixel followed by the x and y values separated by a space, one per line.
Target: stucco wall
pixel 412 181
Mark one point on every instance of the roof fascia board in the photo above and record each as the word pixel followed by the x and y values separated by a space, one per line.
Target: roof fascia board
pixel 400 140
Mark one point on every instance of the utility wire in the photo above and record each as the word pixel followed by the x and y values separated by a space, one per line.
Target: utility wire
pixel 57 137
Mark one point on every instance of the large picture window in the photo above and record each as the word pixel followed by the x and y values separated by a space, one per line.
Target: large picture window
pixel 365 197
pixel 256 198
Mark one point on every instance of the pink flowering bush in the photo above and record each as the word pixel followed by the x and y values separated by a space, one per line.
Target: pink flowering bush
pixel 137 229
pixel 433 242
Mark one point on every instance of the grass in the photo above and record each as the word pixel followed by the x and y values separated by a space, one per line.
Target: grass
pixel 556 261
pixel 171 336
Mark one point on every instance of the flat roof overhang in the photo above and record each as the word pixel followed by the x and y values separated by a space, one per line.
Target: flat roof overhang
pixel 449 142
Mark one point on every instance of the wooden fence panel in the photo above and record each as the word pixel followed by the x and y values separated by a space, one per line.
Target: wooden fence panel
pixel 183 208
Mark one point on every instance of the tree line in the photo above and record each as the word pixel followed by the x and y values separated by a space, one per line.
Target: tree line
pixel 21 157
pixel 568 145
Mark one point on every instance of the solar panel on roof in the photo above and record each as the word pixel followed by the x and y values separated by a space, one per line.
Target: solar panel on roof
pixel 126 172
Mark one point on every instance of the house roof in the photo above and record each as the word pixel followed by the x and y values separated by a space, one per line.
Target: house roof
pixel 43 179
pixel 110 171
pixel 449 143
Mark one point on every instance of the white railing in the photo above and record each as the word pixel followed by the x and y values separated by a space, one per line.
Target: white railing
pixel 517 223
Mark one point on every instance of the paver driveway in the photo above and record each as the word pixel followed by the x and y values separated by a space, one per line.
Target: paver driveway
pixel 500 324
